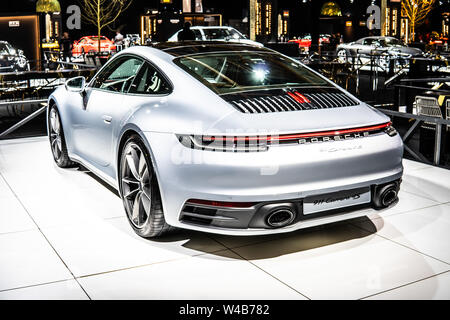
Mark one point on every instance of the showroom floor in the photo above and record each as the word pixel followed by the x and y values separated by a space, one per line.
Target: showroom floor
pixel 63 235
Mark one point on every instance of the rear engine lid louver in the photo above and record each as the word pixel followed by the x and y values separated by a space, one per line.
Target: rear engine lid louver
pixel 281 100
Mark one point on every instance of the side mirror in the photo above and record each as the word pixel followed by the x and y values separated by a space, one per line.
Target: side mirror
pixel 76 84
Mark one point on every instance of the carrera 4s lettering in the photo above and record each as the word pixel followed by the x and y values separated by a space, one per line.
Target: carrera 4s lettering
pixel 331 200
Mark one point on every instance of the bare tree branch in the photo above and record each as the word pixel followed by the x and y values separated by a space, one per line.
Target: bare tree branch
pixel 103 13
pixel 416 11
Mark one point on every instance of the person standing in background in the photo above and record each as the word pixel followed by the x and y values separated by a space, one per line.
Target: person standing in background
pixel 186 33
pixel 65 45
pixel 118 41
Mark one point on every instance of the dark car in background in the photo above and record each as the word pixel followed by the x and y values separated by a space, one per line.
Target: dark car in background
pixel 12 59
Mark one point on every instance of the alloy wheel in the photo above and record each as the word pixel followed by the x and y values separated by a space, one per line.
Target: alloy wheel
pixel 55 134
pixel 136 185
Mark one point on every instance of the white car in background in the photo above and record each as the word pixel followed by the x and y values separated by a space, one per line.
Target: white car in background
pixel 378 49
pixel 217 33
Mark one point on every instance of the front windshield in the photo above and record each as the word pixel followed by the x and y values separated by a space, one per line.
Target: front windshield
pixel 221 34
pixel 4 48
pixel 227 72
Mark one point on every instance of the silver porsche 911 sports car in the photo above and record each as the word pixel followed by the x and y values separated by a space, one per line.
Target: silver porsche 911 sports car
pixel 225 138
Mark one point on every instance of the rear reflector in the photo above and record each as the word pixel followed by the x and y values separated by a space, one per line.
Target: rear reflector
pixel 221 203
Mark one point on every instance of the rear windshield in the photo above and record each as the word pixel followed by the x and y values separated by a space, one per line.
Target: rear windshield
pixel 4 48
pixel 227 72
pixel 96 38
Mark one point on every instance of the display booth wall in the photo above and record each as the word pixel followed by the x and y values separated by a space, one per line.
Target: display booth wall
pixel 22 32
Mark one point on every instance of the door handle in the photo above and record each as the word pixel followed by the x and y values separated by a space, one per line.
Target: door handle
pixel 107 119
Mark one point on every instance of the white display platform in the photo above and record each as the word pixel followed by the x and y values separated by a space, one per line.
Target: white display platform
pixel 64 235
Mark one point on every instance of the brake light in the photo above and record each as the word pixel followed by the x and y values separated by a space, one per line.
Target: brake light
pixel 221 203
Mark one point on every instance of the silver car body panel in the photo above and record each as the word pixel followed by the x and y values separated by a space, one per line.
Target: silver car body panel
pixel 93 133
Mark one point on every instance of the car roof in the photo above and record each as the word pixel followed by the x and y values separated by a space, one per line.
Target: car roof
pixel 378 37
pixel 211 27
pixel 183 48
pixel 95 37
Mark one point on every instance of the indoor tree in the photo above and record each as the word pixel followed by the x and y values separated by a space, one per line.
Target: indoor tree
pixel 102 13
pixel 416 11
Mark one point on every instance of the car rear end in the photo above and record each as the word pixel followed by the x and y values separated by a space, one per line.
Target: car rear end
pixel 235 187
pixel 274 157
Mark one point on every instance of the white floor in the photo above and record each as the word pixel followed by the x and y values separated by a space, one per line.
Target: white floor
pixel 63 235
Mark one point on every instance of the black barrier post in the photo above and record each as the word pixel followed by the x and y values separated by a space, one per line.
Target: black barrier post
pixel 437 144
pixel 439 122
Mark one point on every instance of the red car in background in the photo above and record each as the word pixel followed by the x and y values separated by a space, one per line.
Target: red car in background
pixel 90 44
pixel 305 41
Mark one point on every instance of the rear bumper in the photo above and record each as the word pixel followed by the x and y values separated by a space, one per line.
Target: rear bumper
pixel 285 173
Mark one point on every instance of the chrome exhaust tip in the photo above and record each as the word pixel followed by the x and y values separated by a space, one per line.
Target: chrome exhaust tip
pixel 279 218
pixel 386 195
pixel 389 197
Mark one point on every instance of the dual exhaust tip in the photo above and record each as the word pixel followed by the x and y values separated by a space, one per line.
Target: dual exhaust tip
pixel 284 214
pixel 279 218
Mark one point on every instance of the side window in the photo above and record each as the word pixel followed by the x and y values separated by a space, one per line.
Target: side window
pixel 149 81
pixel 198 35
pixel 118 76
pixel 368 42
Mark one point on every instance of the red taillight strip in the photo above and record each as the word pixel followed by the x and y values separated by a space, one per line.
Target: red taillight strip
pixel 305 99
pixel 222 203
pixel 301 135
pixel 332 133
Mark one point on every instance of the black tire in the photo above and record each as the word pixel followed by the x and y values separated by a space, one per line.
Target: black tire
pixel 60 156
pixel 155 224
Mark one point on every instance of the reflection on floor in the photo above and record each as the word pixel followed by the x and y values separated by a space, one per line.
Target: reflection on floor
pixel 63 235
